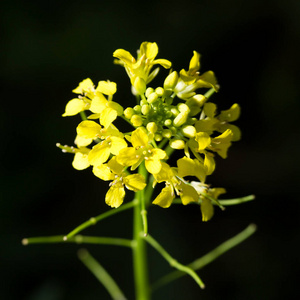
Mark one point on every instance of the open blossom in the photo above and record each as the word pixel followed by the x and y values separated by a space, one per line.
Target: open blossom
pixel 141 151
pixel 115 172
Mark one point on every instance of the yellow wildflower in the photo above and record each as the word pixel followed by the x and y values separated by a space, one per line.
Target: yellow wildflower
pixel 115 172
pixel 141 66
pixel 142 150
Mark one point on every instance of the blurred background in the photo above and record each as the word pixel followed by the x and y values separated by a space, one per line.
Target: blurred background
pixel 48 47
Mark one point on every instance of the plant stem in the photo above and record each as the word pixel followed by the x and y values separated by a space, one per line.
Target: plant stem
pixel 140 266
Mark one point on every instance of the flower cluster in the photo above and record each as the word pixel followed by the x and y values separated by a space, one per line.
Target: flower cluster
pixel 174 116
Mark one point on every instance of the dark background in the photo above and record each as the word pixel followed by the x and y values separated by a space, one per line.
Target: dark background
pixel 48 48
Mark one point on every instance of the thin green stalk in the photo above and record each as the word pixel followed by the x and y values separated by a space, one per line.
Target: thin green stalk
pixel 209 257
pixel 223 202
pixel 140 228
pixel 83 116
pixel 236 201
pixel 79 239
pixel 209 93
pixel 95 220
pixel 101 274
pixel 173 262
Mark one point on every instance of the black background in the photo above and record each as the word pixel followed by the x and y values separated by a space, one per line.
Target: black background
pixel 48 47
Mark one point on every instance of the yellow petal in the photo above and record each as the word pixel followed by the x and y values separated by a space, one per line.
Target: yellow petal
pixel 127 156
pixel 209 163
pixel 117 144
pixel 80 161
pixel 139 137
pixel 107 116
pixel 153 166
pixel 99 103
pixel 124 56
pixel 165 198
pixel 207 209
pixel 99 154
pixel 163 62
pixel 74 107
pixel 82 142
pixel 107 87
pixel 203 140
pixel 135 182
pixel 149 49
pixel 84 86
pixel 103 172
pixel 188 194
pixel 88 129
pixel 208 80
pixel 115 195
pixel 195 62
pixel 115 167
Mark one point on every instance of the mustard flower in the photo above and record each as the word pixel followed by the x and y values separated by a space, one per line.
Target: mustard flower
pixel 141 67
pixel 142 150
pixel 115 172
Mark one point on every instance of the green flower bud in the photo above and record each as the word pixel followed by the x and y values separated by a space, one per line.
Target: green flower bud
pixel 177 144
pixel 171 81
pixel 139 85
pixel 152 98
pixel 174 111
pixel 182 107
pixel 136 120
pixel 189 131
pixel 145 109
pixel 159 91
pixel 137 109
pixel 143 102
pixel 169 100
pixel 128 112
pixel 151 127
pixel 168 122
pixel 158 137
pixel 167 133
pixel 180 119
pixel 149 91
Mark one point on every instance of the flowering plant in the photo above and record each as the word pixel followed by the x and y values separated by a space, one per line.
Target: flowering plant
pixel 172 117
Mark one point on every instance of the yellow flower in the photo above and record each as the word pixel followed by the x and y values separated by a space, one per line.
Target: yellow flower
pixel 142 150
pixel 114 171
pixel 112 141
pixel 142 66
pixel 80 161
pixel 174 185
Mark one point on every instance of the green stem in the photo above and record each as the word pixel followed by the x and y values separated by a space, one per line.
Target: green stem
pixel 140 267
pixel 173 262
pixel 209 93
pixel 101 274
pixel 79 239
pixel 95 220
pixel 209 257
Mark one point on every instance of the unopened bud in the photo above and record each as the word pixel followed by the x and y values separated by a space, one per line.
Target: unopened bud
pixel 136 120
pixel 159 91
pixel 151 127
pixel 171 81
pixel 139 85
pixel 158 137
pixel 145 109
pixel 149 91
pixel 180 119
pixel 128 112
pixel 167 133
pixel 177 144
pixel 189 131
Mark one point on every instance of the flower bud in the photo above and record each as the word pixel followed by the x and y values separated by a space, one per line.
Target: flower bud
pixel 145 109
pixel 152 98
pixel 149 91
pixel 171 81
pixel 167 133
pixel 180 119
pixel 182 107
pixel 189 131
pixel 177 144
pixel 159 91
pixel 151 127
pixel 128 112
pixel 168 122
pixel 136 120
pixel 158 137
pixel 139 85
